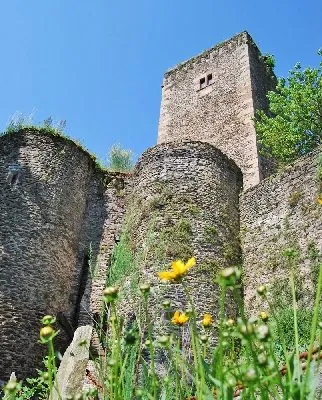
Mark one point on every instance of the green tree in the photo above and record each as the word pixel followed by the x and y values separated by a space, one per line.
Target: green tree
pixel 119 159
pixel 293 125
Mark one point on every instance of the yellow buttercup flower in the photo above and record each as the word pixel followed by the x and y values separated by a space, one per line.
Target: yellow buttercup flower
pixel 178 270
pixel 320 199
pixel 207 320
pixel 179 318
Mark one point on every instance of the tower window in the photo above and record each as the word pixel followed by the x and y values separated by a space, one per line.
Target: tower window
pixel 209 79
pixel 202 83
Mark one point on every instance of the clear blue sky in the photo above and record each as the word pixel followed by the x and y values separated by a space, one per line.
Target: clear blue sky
pixel 99 64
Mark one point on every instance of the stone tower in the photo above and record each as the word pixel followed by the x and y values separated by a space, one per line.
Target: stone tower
pixel 213 97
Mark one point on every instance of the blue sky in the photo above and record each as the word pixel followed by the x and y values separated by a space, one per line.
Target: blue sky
pixel 99 64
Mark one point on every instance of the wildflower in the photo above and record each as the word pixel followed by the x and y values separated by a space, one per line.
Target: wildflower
pixel 179 318
pixel 178 270
pixel 110 294
pixel 320 199
pixel 207 320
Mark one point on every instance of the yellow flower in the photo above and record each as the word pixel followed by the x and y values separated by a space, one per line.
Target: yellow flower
pixel 178 270
pixel 320 199
pixel 179 318
pixel 207 320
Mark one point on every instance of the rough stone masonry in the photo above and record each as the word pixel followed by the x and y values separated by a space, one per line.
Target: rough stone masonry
pixel 61 215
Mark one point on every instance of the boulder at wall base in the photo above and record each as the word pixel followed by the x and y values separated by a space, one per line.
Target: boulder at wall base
pixel 71 372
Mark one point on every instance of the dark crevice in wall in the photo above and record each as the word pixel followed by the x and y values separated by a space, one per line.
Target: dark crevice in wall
pixel 81 290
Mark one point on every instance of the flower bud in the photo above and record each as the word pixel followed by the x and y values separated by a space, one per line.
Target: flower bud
pixel 11 387
pixel 263 316
pixel 261 290
pixel 145 288
pixel 262 332
pixel 262 359
pixel 164 340
pixel 46 332
pixel 110 294
pixel 48 320
pixel 204 338
pixel 250 375
pixel 166 304
pixel 230 323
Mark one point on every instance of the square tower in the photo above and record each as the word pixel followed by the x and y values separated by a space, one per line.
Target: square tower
pixel 213 97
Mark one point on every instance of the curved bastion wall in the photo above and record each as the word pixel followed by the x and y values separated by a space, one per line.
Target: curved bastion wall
pixel 56 206
pixel 184 203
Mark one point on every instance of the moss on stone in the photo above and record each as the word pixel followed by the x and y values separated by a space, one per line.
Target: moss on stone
pixel 295 197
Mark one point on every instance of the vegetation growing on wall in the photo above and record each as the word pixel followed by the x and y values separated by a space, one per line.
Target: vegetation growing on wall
pixel 293 125
pixel 119 159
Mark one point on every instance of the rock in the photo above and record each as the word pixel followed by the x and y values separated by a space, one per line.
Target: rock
pixel 71 372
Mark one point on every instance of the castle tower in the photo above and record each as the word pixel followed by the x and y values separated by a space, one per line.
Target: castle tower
pixel 213 97
pixel 59 214
pixel 183 204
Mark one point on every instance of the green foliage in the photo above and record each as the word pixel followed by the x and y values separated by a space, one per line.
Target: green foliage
pixel 119 159
pixel 175 241
pixel 269 60
pixel 35 388
pixel 286 322
pixel 293 125
pixel 20 122
pixel 123 261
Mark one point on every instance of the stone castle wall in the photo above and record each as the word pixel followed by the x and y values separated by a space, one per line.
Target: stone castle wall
pixel 53 209
pixel 184 203
pixel 281 213
pixel 219 111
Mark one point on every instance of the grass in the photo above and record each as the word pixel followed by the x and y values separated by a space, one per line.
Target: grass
pixel 119 160
pixel 243 360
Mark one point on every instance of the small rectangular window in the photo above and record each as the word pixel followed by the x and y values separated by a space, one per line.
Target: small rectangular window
pixel 209 79
pixel 202 83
